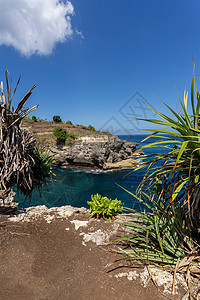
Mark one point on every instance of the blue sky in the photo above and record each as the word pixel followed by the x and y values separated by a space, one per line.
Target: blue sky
pixel 91 60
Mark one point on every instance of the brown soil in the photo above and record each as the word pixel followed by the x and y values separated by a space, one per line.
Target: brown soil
pixel 46 261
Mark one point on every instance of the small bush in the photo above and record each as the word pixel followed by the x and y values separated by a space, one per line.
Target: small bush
pixel 104 207
pixel 106 132
pixel 71 136
pixel 161 236
pixel 60 133
pixel 90 127
pixel 82 126
pixel 57 119
pixel 42 170
pixel 69 122
pixel 34 119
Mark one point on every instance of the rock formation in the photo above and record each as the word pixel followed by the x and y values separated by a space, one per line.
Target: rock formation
pixel 96 151
pixel 7 202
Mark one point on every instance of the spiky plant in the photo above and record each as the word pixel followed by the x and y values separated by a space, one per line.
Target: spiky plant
pixel 169 235
pixel 179 168
pixel 160 238
pixel 17 163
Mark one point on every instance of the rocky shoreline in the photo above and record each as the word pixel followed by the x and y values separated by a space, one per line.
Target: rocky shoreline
pixel 105 152
pixel 97 151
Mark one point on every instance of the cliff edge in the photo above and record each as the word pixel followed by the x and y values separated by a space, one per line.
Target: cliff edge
pixel 101 151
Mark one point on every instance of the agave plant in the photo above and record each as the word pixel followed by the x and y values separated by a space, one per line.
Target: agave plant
pixel 179 168
pixel 17 163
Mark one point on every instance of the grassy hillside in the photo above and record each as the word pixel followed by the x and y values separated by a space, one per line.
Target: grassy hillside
pixel 43 131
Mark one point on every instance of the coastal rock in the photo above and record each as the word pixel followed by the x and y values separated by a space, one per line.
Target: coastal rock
pixel 48 214
pixel 126 163
pixel 7 203
pixel 95 151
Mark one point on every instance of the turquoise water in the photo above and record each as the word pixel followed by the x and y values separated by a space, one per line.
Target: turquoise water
pixel 75 187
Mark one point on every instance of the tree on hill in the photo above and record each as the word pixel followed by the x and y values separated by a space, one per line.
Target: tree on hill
pixel 60 133
pixel 57 119
pixel 90 127
pixel 69 122
pixel 34 119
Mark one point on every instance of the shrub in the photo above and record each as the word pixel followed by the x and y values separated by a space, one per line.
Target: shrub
pixel 169 236
pixel 34 119
pixel 178 169
pixel 71 136
pixel 160 237
pixel 57 119
pixel 104 207
pixel 90 127
pixel 81 126
pixel 42 170
pixel 69 122
pixel 106 132
pixel 60 133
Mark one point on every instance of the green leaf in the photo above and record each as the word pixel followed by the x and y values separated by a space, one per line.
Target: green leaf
pixel 182 149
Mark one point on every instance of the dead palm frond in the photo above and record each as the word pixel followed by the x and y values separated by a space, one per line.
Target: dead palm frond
pixel 17 163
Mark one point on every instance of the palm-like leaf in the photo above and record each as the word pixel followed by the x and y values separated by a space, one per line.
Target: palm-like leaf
pixel 180 167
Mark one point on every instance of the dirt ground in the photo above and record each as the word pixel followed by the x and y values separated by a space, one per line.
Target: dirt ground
pixel 52 260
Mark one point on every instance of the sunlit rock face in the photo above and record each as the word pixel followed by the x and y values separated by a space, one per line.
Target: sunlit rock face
pixel 95 150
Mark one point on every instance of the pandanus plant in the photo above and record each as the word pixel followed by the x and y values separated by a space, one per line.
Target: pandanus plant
pixel 17 147
pixel 179 168
pixel 169 235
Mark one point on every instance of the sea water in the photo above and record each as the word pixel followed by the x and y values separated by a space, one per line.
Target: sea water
pixel 75 187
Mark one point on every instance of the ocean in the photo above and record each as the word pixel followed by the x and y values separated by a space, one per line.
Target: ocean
pixel 75 187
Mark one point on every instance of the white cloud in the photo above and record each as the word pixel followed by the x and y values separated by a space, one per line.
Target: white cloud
pixel 35 26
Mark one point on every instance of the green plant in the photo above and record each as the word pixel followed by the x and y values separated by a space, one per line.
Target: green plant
pixel 42 169
pixel 179 169
pixel 81 126
pixel 90 127
pixel 168 235
pixel 106 132
pixel 160 238
pixel 60 133
pixel 159 235
pixel 71 136
pixel 104 207
pixel 69 122
pixel 57 119
pixel 79 140
pixel 34 119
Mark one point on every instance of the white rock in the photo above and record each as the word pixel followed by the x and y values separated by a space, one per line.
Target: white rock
pixel 79 224
pixel 98 237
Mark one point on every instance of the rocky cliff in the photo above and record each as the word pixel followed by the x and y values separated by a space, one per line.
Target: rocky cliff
pixel 102 151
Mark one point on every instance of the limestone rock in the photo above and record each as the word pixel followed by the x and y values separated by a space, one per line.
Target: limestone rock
pixel 127 163
pixel 7 203
pixel 95 151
